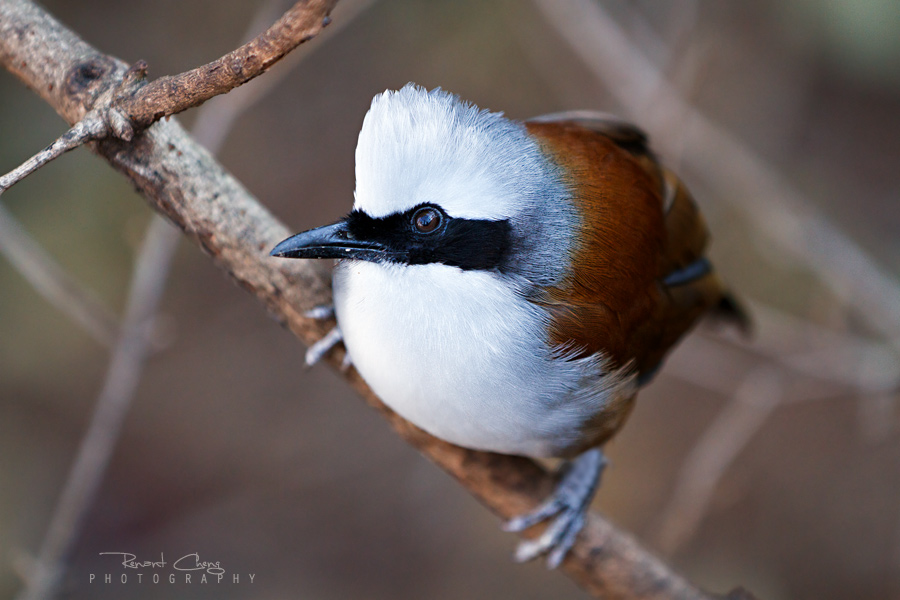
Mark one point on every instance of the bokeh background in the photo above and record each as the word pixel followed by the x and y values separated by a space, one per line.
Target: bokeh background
pixel 763 464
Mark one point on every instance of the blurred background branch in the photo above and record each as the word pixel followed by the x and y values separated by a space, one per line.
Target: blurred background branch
pixel 53 283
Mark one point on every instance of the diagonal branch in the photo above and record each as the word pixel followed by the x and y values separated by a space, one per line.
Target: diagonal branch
pixel 53 283
pixel 754 401
pixel 82 132
pixel 184 182
pixel 122 377
pixel 174 93
pixel 215 120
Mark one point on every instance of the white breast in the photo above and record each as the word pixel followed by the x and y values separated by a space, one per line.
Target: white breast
pixel 462 355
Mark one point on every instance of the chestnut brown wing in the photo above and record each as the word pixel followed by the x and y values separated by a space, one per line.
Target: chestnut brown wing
pixel 639 277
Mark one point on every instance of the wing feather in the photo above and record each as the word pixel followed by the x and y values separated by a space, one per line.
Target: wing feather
pixel 640 277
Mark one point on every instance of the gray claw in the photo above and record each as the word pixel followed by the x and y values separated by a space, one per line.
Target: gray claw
pixel 315 352
pixel 320 313
pixel 566 541
pixel 531 549
pixel 567 507
pixel 542 513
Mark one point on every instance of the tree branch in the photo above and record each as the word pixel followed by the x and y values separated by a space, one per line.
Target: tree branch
pixel 184 182
pixel 174 93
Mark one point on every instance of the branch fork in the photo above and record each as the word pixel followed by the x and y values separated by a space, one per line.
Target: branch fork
pixel 132 105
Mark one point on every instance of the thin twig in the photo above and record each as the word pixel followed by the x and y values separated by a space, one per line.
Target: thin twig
pixel 96 124
pixel 174 93
pixel 53 283
pixel 124 107
pixel 754 400
pixel 209 123
pixel 82 132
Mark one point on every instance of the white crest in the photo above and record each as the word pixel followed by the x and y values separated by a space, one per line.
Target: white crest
pixel 417 146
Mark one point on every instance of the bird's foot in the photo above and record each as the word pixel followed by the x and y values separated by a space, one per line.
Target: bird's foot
pixel 567 506
pixel 320 313
pixel 334 336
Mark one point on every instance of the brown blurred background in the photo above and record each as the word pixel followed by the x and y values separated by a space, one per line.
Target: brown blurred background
pixel 233 450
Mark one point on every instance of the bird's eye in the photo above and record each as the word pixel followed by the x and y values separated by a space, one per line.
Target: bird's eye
pixel 426 219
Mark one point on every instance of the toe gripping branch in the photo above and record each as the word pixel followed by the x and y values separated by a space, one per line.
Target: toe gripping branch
pixel 331 339
pixel 566 506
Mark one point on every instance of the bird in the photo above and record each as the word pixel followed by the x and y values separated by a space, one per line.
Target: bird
pixel 509 286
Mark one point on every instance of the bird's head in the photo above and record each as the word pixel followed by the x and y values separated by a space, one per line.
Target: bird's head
pixel 439 180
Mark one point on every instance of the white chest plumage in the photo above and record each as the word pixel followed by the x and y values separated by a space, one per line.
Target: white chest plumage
pixel 462 355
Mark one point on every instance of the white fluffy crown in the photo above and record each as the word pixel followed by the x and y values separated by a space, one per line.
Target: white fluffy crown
pixel 420 146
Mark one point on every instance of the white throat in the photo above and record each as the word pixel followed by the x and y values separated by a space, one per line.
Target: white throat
pixel 464 356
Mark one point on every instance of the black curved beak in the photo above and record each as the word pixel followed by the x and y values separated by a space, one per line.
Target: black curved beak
pixel 330 241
